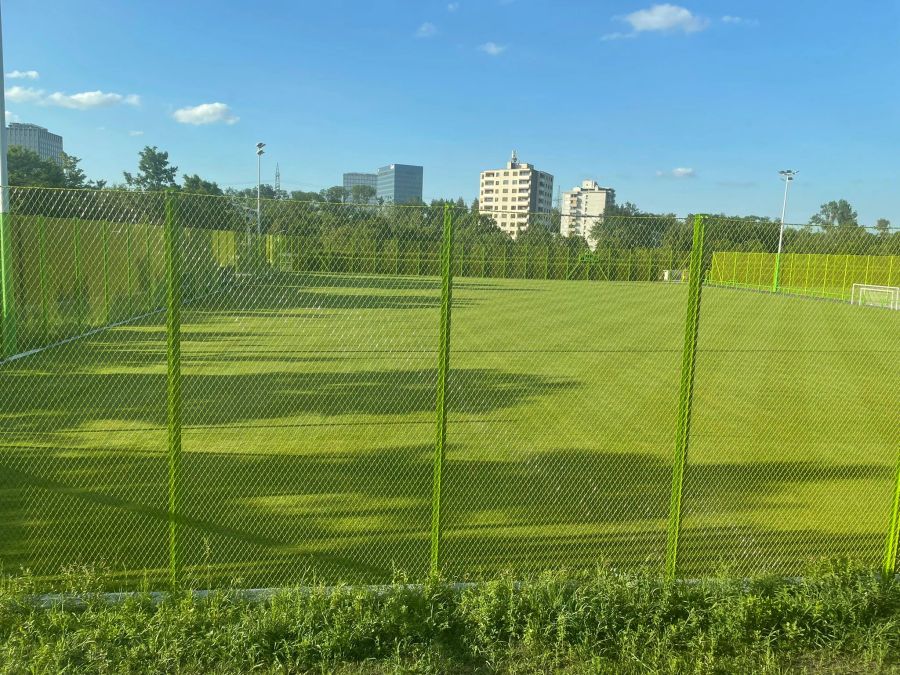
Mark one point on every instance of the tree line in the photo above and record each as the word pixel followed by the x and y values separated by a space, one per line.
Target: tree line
pixel 340 219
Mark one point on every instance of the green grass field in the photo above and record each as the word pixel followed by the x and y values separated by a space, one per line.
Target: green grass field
pixel 309 433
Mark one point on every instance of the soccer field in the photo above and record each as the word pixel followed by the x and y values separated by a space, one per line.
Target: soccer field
pixel 309 426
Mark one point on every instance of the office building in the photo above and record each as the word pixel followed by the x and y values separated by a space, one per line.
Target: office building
pixel 369 179
pixel 582 208
pixel 37 139
pixel 515 196
pixel 399 184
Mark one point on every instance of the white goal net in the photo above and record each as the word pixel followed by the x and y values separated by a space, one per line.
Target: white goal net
pixel 875 296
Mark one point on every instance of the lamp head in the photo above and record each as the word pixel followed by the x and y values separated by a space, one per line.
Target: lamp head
pixel 788 174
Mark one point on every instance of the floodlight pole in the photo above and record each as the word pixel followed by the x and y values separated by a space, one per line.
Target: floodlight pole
pixel 259 153
pixel 787 175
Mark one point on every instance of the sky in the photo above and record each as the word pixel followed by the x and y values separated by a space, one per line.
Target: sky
pixel 685 107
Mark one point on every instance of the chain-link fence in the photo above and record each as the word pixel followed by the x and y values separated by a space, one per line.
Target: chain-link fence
pixel 194 390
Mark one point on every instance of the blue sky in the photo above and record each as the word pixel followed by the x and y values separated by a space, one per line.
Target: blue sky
pixel 683 107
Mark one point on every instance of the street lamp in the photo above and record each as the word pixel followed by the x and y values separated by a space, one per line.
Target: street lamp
pixel 259 153
pixel 787 175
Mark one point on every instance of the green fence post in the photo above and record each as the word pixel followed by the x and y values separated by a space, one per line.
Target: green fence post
pixel 104 233
pixel 8 324
pixel 151 291
pixel 173 350
pixel 128 269
pixel 80 299
pixel 443 369
pixel 806 274
pixel 893 535
pixel 686 395
pixel 776 277
pixel 42 272
pixel 846 269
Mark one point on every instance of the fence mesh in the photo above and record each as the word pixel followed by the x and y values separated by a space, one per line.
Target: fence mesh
pixel 194 389
pixel 794 437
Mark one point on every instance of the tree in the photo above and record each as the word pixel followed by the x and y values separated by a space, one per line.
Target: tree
pixel 301 196
pixel 362 194
pixel 27 168
pixel 154 171
pixel 337 194
pixel 626 209
pixel 73 174
pixel 835 214
pixel 883 226
pixel 266 191
pixel 196 185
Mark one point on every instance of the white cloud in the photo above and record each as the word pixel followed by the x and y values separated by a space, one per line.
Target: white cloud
pixel 426 30
pixel 87 100
pixel 452 7
pixel 11 117
pixel 665 18
pixel 678 172
pixel 205 113
pixel 23 75
pixel 617 36
pixel 19 94
pixel 739 20
pixel 492 48
pixel 135 133
pixel 82 101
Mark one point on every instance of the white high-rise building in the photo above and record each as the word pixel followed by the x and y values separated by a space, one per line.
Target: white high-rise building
pixel 37 139
pixel 582 208
pixel 512 196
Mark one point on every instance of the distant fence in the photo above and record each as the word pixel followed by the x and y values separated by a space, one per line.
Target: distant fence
pixel 824 275
pixel 190 393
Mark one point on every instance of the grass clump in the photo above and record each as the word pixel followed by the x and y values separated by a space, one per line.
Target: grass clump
pixel 836 619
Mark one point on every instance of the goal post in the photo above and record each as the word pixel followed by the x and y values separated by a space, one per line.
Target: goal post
pixel 871 295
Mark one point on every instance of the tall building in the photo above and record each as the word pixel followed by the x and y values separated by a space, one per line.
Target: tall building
pixel 399 183
pixel 37 139
pixel 351 179
pixel 512 194
pixel 583 207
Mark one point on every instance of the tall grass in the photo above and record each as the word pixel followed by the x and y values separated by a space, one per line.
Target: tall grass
pixel 837 618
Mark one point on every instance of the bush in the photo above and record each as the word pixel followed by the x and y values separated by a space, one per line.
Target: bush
pixel 837 618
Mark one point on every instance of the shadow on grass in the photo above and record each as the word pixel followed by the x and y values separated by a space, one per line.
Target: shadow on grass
pixel 274 519
pixel 55 398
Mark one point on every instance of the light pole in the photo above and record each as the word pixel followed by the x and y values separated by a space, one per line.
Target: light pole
pixel 787 175
pixel 259 153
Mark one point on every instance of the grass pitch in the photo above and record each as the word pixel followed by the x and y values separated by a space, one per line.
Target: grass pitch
pixel 309 426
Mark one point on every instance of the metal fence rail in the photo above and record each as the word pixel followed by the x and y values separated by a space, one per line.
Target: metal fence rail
pixel 190 394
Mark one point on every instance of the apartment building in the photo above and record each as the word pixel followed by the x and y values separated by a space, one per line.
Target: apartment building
pixel 582 208
pixel 515 195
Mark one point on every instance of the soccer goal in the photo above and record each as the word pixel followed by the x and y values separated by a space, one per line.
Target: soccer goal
pixel 875 296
